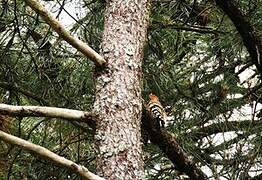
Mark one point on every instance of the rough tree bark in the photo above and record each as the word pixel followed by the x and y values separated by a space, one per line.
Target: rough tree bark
pixel 118 91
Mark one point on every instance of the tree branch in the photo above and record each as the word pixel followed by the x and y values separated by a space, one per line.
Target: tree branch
pixel 168 144
pixel 52 112
pixel 45 153
pixel 199 29
pixel 222 127
pixel 202 30
pixel 24 92
pixel 76 43
pixel 251 40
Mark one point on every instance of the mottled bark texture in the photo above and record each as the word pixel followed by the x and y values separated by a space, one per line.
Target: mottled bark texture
pixel 118 91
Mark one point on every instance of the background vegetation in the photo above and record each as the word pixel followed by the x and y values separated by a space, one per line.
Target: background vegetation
pixel 194 60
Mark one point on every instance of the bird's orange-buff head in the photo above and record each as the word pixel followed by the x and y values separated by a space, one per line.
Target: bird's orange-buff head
pixel 153 97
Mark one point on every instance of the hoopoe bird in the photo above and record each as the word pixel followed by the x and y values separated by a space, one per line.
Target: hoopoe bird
pixel 156 110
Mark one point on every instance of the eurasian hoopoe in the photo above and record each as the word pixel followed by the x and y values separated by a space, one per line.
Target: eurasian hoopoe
pixel 156 109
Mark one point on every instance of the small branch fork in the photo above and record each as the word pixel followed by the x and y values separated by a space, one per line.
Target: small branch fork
pixel 36 111
pixel 64 34
pixel 45 153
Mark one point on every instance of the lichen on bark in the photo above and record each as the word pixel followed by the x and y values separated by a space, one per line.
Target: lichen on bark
pixel 118 95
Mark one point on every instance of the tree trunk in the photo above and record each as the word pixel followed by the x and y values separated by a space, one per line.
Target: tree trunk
pixel 118 91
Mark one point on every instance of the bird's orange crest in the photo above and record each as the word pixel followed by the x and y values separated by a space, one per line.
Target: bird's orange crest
pixel 153 97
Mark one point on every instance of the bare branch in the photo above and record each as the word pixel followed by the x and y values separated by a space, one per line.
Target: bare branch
pixel 45 153
pixel 53 112
pixel 78 44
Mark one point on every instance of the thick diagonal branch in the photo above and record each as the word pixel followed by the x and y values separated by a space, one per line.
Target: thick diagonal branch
pixel 168 144
pixel 78 44
pixel 45 153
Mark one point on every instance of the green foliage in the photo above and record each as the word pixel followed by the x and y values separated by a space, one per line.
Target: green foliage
pixel 194 61
pixel 51 76
pixel 204 76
